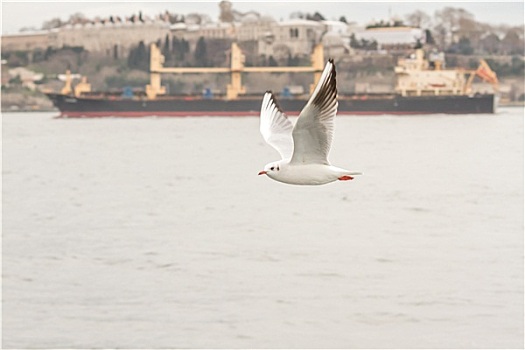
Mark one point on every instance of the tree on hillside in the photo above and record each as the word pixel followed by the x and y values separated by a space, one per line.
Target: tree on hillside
pixel 490 44
pixel 292 60
pixel 138 57
pixel 28 29
pixel 451 16
pixel 53 23
pixel 180 48
pixel 512 44
pixel 76 18
pixel 462 47
pixel 429 37
pixel 363 44
pixel 418 19
pixel 272 62
pixel 166 50
pixel 142 53
pixel 449 22
pixel 297 15
pixel 200 54
pixel 315 17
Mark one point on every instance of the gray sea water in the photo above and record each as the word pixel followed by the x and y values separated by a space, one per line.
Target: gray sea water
pixel 158 233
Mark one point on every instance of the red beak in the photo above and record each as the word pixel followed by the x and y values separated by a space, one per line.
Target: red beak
pixel 262 172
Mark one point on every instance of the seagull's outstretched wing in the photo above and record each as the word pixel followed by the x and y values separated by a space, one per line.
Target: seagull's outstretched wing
pixel 313 132
pixel 275 126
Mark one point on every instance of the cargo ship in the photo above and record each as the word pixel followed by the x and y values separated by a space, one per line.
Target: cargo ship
pixel 423 87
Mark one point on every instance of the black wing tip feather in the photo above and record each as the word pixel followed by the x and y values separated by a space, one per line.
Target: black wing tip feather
pixel 328 90
pixel 333 72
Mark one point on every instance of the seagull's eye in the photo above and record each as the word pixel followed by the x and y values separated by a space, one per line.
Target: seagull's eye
pixel 278 168
pixel 272 168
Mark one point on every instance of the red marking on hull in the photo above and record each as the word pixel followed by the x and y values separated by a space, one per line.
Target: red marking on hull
pixel 141 114
pixel 345 178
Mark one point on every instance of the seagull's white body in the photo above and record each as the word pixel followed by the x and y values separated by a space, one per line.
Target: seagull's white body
pixel 309 174
pixel 304 148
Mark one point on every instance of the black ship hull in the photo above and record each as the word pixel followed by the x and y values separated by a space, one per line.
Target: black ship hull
pixel 175 106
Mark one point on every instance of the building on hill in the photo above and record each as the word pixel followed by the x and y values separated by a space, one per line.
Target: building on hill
pixel 26 77
pixel 293 38
pixel 263 38
pixel 111 37
pixel 336 38
pixel 29 41
pixel 393 38
pixel 209 31
pixel 253 28
pixel 258 36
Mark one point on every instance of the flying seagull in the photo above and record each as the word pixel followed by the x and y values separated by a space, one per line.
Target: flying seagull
pixel 304 148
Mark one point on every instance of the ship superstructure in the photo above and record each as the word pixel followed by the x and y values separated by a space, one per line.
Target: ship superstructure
pixel 417 76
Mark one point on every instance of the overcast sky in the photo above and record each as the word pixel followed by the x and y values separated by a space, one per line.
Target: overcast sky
pixel 19 14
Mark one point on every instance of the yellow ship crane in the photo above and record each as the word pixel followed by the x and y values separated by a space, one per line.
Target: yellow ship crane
pixel 235 88
pixel 79 89
pixel 485 73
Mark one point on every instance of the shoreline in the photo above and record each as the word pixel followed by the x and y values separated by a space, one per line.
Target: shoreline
pixel 513 104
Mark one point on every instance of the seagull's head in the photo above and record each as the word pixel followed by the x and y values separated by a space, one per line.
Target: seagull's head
pixel 271 168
